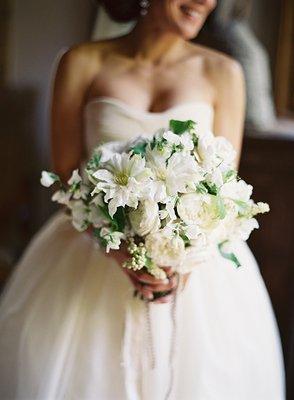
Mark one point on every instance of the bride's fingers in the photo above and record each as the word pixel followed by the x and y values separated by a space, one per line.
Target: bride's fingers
pixel 164 299
pixel 147 278
pixel 145 291
pixel 173 283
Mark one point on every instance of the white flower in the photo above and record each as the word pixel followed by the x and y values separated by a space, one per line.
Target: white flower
pixel 61 197
pixel 192 231
pixel 81 192
pixel 237 190
pixel 75 178
pixel 108 150
pixel 95 216
pixel 242 228
pixel 122 181
pixel 79 215
pixel 163 249
pixel 172 176
pixel 224 150
pixel 145 219
pixel 205 152
pixel 48 178
pixel 199 209
pixel 260 208
pixel 183 140
pixel 113 239
pixel 169 210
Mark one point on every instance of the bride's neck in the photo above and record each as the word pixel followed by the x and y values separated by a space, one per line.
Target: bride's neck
pixel 151 44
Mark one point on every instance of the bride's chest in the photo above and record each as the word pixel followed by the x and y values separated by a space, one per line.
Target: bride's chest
pixel 153 90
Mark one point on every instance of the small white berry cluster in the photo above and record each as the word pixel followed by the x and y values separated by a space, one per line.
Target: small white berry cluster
pixel 138 253
pixel 139 259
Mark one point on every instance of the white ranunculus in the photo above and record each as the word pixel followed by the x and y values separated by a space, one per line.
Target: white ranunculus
pixel 75 178
pixel 199 209
pixel 224 150
pixel 165 250
pixel 48 178
pixel 145 219
pixel 206 152
pixel 237 190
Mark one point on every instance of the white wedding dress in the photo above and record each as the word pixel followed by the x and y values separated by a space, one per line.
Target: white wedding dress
pixel 71 329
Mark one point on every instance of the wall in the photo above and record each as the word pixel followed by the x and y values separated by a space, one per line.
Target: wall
pixel 38 31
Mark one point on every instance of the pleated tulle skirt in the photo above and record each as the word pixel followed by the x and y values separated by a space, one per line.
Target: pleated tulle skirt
pixel 70 328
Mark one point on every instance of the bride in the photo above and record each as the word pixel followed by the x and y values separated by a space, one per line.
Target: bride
pixel 70 327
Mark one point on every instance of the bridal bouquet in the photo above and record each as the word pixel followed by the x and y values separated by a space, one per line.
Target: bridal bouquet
pixel 169 197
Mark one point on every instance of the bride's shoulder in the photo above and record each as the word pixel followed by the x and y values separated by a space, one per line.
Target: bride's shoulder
pixel 86 55
pixel 216 63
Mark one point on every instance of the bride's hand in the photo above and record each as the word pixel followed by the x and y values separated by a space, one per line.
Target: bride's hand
pixel 146 284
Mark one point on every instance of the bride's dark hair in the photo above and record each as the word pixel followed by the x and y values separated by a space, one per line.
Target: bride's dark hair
pixel 122 11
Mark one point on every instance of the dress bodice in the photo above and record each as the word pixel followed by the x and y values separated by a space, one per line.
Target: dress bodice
pixel 109 119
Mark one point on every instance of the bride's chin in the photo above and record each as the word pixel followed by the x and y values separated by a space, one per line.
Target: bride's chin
pixel 187 34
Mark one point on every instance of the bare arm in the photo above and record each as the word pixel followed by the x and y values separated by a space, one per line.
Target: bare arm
pixel 230 103
pixel 72 80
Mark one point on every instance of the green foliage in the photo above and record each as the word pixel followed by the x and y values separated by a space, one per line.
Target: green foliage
pixel 229 175
pixel 118 222
pixel 201 188
pixel 220 207
pixel 139 148
pixel 179 127
pixel 228 256
pixel 94 162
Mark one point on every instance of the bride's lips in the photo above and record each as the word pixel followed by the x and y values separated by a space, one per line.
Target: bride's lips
pixel 190 13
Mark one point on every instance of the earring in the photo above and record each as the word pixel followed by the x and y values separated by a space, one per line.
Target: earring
pixel 144 5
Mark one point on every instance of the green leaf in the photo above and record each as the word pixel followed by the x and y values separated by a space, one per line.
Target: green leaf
pixel 179 127
pixel 221 210
pixel 54 176
pixel 211 188
pixel 228 256
pixel 139 148
pixel 94 162
pixel 96 233
pixel 201 188
pixel 231 174
pixel 119 219
pixel 185 239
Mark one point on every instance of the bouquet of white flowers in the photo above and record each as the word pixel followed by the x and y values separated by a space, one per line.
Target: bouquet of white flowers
pixel 169 196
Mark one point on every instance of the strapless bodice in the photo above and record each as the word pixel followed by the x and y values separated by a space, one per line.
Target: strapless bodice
pixel 107 119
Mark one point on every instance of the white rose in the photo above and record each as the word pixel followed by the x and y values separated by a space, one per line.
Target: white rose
pixel 165 250
pixel 145 219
